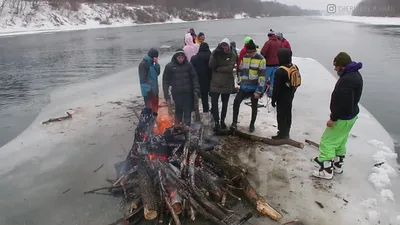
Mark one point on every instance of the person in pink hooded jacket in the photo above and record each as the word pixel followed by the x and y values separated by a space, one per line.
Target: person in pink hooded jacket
pixel 191 48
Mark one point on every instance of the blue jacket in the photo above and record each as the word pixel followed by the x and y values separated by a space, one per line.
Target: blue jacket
pixel 148 75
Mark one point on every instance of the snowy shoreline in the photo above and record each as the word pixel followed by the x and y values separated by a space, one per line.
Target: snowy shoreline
pixel 101 130
pixel 46 19
pixel 383 21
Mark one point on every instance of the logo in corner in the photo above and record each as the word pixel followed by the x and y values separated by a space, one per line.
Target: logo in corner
pixel 331 8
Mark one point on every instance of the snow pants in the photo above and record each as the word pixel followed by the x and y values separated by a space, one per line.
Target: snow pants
pixel 334 140
pixel 270 74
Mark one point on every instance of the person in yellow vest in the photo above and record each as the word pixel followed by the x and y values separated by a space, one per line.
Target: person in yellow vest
pixel 200 38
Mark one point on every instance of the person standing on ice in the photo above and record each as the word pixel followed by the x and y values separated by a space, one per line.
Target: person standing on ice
pixel 252 84
pixel 344 113
pixel 181 76
pixel 285 42
pixel 222 62
pixel 149 69
pixel 200 38
pixel 270 53
pixel 191 48
pixel 285 85
pixel 200 63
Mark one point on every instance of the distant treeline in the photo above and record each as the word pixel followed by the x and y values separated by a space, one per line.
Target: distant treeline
pixel 379 8
pixel 252 7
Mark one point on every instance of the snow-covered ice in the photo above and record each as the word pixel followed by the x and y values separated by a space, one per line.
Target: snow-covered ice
pixel 44 161
pixel 363 19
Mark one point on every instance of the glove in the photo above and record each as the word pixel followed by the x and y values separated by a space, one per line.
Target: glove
pixel 273 104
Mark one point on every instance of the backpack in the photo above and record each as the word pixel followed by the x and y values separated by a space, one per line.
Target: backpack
pixel 293 75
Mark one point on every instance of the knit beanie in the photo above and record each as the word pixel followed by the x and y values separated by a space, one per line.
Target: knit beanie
pixel 179 52
pixel 342 59
pixel 247 40
pixel 251 46
pixel 271 33
pixel 200 34
pixel 152 53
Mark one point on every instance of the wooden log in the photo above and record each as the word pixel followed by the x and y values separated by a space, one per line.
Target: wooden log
pixel 167 200
pixel 258 201
pixel 203 212
pixel 68 116
pixel 312 143
pixel 267 141
pixel 147 193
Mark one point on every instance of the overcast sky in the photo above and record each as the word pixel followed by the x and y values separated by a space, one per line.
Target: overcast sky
pixel 319 4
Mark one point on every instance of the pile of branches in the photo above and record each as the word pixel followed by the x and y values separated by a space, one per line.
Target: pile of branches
pixel 178 184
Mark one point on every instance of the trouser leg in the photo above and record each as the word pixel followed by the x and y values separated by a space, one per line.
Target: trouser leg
pixel 214 106
pixel 225 101
pixel 178 100
pixel 204 101
pixel 187 108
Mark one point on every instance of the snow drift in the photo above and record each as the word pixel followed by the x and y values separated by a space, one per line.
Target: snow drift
pixel 49 166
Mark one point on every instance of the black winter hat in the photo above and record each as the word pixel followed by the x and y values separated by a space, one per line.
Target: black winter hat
pixel 342 59
pixel 251 46
pixel 152 53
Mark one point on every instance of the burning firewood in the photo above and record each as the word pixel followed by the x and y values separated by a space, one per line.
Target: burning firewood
pixel 166 174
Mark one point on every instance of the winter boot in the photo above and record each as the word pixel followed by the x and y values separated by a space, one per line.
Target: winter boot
pixel 280 136
pixel 252 128
pixel 325 171
pixel 217 127
pixel 234 127
pixel 223 125
pixel 338 164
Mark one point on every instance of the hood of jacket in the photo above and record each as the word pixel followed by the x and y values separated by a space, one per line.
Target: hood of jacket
pixel 189 39
pixel 204 52
pixel 148 59
pixel 284 56
pixel 225 40
pixel 352 67
pixel 273 37
pixel 179 52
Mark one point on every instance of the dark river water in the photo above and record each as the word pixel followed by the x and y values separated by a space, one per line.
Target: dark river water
pixel 33 65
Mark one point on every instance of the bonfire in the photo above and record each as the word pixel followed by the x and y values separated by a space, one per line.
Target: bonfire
pixel 170 176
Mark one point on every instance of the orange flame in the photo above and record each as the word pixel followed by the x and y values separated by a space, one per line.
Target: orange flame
pixel 164 121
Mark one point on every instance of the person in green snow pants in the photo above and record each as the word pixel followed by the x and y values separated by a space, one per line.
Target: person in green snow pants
pixel 344 113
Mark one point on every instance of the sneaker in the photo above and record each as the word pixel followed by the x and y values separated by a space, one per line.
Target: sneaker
pixel 325 171
pixel 252 128
pixel 223 125
pixel 338 164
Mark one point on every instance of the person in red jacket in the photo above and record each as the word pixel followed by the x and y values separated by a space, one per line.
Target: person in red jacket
pixel 243 51
pixel 270 53
pixel 285 43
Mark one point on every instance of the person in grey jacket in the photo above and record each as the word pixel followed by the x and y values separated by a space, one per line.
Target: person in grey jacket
pixel 181 76
pixel 222 62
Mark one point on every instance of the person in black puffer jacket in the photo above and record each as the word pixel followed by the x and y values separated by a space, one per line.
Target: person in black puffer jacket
pixel 200 63
pixel 181 76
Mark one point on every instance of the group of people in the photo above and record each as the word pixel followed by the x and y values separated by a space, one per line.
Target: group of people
pixel 195 72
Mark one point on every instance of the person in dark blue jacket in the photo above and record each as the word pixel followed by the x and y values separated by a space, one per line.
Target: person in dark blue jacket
pixel 149 70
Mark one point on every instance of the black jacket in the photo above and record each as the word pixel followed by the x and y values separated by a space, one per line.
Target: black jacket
pixel 200 64
pixel 347 93
pixel 281 92
pixel 181 77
